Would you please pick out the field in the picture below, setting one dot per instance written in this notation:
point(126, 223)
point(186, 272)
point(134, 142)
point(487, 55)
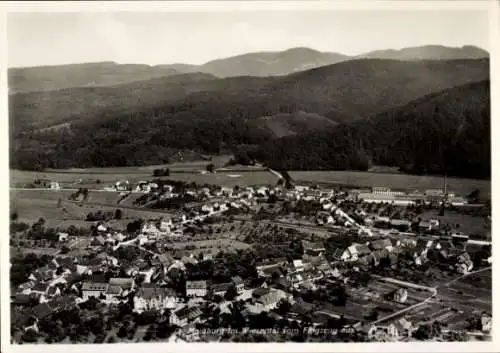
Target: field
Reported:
point(31, 205)
point(212, 246)
point(468, 224)
point(97, 179)
point(395, 181)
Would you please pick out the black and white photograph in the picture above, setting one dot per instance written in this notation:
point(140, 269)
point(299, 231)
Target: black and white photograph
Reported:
point(230, 173)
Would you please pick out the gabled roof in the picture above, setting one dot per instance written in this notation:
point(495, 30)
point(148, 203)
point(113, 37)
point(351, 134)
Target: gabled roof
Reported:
point(258, 292)
point(337, 253)
point(40, 287)
point(317, 246)
point(196, 284)
point(237, 280)
point(301, 307)
point(363, 249)
point(124, 283)
point(94, 286)
point(149, 291)
point(188, 313)
point(114, 290)
point(221, 287)
point(268, 298)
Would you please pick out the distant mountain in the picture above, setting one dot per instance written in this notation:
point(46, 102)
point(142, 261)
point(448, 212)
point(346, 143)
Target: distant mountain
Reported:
point(285, 62)
point(429, 52)
point(143, 122)
point(271, 63)
point(342, 92)
point(445, 132)
point(50, 78)
point(260, 64)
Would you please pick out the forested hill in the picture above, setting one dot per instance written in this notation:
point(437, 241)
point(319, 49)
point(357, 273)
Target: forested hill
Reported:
point(343, 92)
point(443, 132)
point(147, 122)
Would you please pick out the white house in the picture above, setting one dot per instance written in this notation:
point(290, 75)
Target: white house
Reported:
point(93, 289)
point(185, 315)
point(196, 288)
point(152, 297)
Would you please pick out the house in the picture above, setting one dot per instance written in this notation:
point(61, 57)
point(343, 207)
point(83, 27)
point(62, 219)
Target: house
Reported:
point(163, 260)
point(62, 236)
point(149, 228)
point(196, 288)
point(221, 288)
point(486, 323)
point(268, 301)
point(184, 316)
point(238, 284)
point(404, 328)
point(464, 263)
point(119, 287)
point(300, 308)
point(298, 265)
point(381, 244)
point(340, 254)
point(362, 249)
point(93, 289)
point(383, 333)
point(152, 297)
point(313, 247)
point(400, 295)
point(401, 224)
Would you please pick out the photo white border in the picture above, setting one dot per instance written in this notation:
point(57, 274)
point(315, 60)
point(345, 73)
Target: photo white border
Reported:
point(491, 6)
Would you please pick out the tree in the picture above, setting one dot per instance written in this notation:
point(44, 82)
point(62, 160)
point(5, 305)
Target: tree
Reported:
point(231, 293)
point(65, 249)
point(283, 307)
point(118, 214)
point(13, 216)
point(210, 168)
point(30, 336)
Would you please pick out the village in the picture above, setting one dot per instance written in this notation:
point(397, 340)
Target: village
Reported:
point(306, 262)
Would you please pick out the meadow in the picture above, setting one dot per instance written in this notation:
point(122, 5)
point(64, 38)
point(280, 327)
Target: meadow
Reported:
point(97, 179)
point(395, 181)
point(32, 205)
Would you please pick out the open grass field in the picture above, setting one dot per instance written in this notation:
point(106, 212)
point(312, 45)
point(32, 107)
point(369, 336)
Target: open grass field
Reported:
point(34, 204)
point(468, 224)
point(97, 179)
point(212, 246)
point(394, 181)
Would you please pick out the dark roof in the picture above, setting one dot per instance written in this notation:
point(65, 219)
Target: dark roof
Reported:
point(196, 284)
point(94, 286)
point(42, 310)
point(148, 291)
point(189, 313)
point(337, 253)
point(268, 298)
point(258, 292)
point(237, 280)
point(301, 307)
point(62, 303)
point(308, 245)
point(221, 287)
point(21, 299)
point(124, 283)
point(40, 287)
point(114, 289)
point(362, 249)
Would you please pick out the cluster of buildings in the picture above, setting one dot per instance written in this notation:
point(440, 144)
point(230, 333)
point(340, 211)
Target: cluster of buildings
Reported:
point(386, 195)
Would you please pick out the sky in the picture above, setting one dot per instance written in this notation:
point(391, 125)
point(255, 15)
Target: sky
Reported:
point(53, 38)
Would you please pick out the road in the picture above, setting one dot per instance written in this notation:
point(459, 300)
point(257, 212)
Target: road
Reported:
point(433, 290)
point(463, 276)
point(407, 284)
